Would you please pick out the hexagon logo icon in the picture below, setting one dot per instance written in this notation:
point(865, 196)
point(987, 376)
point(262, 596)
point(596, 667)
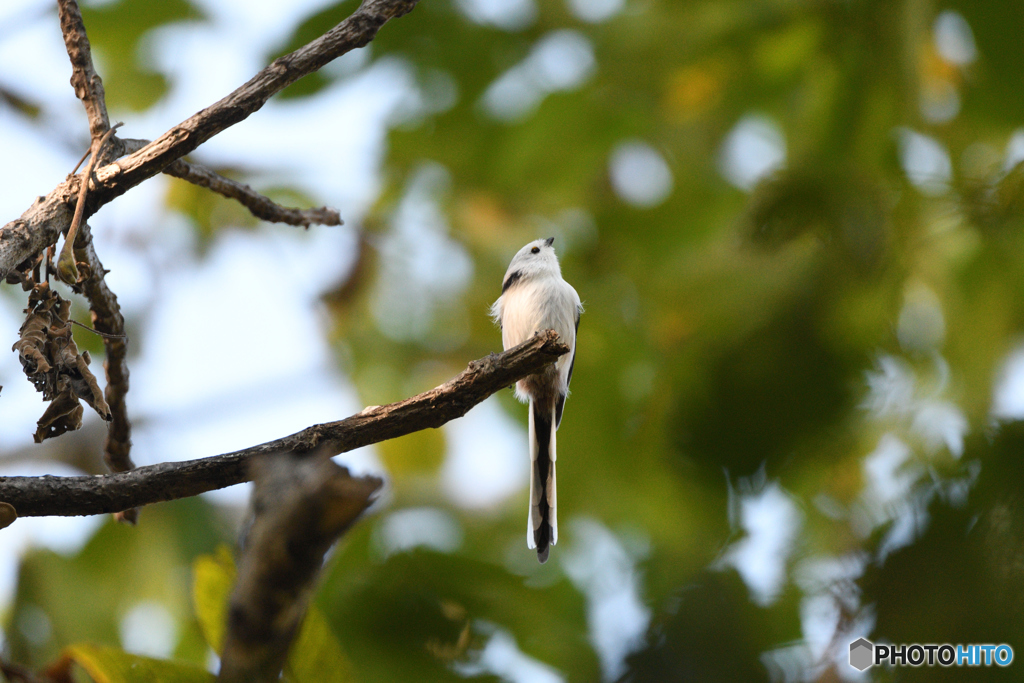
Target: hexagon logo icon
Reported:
point(862, 652)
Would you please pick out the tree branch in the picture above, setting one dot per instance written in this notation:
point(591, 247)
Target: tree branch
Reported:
point(66, 268)
point(87, 83)
point(43, 222)
point(301, 506)
point(106, 313)
point(68, 496)
point(107, 318)
point(355, 31)
point(260, 206)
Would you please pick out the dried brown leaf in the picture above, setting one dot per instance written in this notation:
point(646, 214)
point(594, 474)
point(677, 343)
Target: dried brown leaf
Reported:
point(54, 365)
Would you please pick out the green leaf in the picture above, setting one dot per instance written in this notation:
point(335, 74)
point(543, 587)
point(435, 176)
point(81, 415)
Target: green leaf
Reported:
point(211, 588)
point(316, 655)
point(111, 665)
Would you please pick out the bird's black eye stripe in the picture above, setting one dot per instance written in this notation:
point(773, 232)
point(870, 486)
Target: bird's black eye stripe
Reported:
point(510, 280)
point(535, 250)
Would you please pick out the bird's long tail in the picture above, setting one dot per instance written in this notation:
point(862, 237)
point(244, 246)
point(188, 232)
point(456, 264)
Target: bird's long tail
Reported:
point(542, 528)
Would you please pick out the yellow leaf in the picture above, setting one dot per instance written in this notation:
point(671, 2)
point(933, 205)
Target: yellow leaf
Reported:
point(111, 665)
point(211, 589)
point(694, 90)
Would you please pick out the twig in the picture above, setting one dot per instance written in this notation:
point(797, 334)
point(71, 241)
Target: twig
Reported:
point(80, 162)
point(69, 496)
point(301, 506)
point(66, 268)
point(48, 217)
point(97, 332)
point(87, 83)
point(260, 206)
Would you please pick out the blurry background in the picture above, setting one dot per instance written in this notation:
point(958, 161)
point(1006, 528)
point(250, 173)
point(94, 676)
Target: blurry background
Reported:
point(798, 230)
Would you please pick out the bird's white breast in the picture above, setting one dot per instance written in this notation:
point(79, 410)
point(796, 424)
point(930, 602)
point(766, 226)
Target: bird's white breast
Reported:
point(541, 304)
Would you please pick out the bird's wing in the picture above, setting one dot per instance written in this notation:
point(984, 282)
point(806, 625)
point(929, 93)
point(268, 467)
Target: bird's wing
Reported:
point(561, 397)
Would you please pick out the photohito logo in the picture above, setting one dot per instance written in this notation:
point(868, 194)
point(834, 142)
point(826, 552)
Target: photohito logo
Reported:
point(864, 654)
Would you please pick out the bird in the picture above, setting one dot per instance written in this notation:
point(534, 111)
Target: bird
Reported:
point(534, 297)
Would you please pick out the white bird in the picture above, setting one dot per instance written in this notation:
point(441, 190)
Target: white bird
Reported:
point(534, 297)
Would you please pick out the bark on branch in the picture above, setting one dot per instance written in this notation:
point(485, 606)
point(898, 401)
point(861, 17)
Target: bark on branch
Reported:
point(93, 495)
point(43, 222)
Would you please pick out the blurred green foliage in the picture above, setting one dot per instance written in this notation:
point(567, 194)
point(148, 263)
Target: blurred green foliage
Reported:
point(316, 655)
point(117, 570)
point(113, 665)
point(733, 338)
point(117, 31)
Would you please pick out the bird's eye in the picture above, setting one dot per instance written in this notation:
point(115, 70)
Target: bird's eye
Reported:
point(535, 250)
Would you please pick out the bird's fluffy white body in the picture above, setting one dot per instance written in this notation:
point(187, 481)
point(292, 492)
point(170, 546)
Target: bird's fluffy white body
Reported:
point(534, 298)
point(536, 305)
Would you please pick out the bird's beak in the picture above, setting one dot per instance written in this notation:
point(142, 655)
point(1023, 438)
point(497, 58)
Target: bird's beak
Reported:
point(549, 241)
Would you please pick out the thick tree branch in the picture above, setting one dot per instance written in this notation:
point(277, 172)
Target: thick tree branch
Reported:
point(43, 222)
point(68, 496)
point(301, 505)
